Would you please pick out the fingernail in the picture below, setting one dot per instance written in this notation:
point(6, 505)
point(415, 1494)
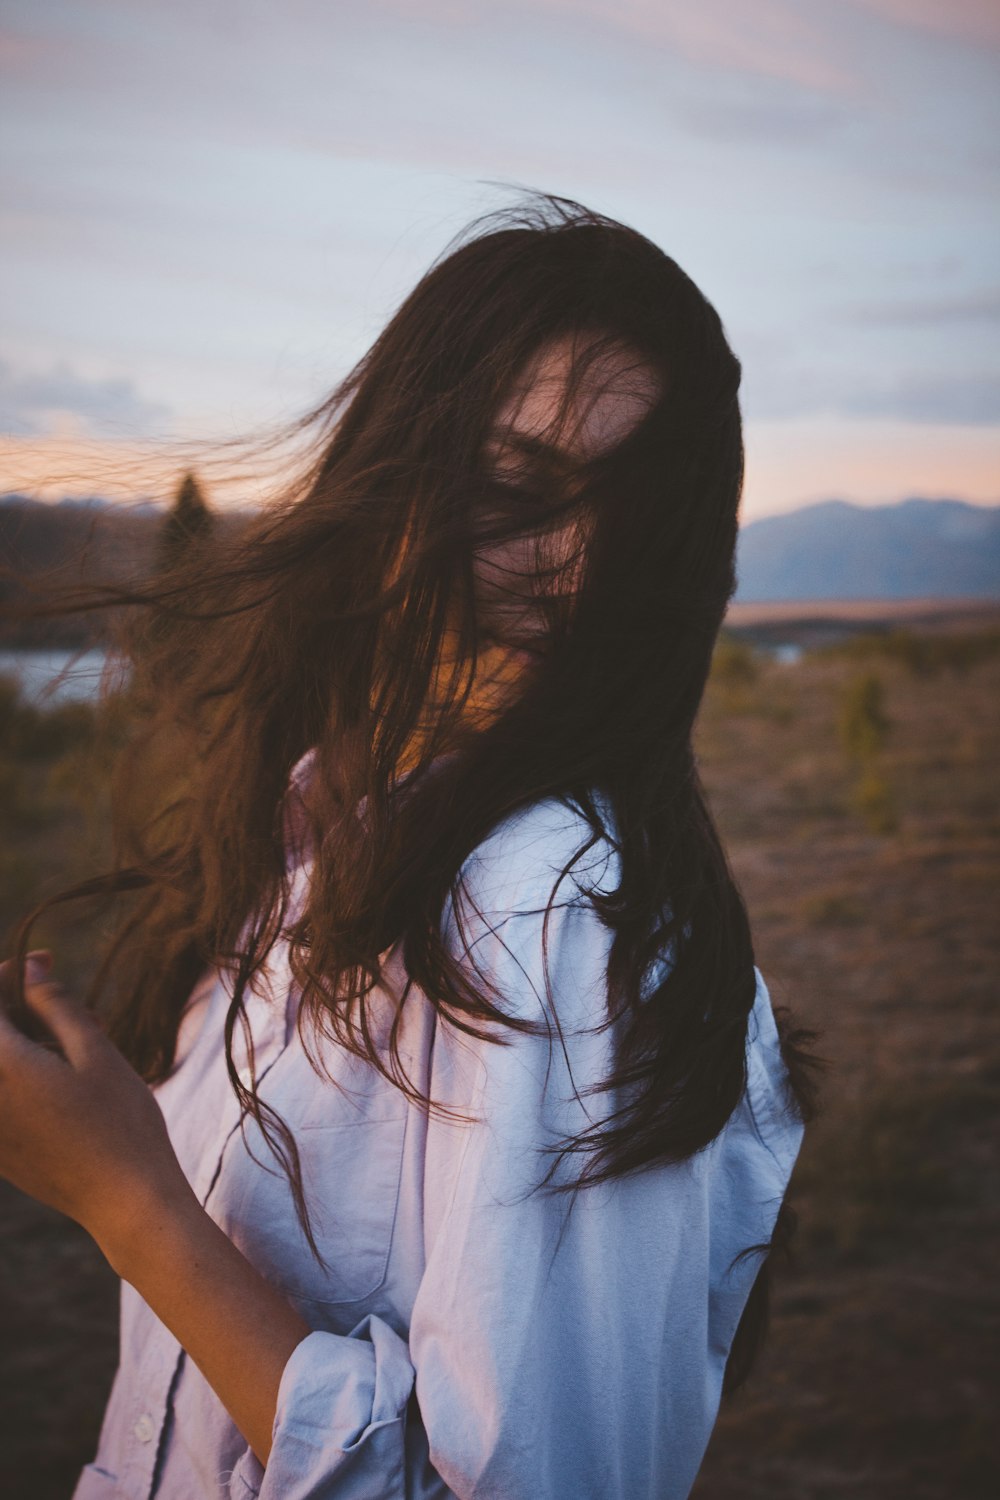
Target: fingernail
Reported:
point(35, 970)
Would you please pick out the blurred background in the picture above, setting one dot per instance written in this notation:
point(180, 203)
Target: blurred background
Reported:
point(208, 213)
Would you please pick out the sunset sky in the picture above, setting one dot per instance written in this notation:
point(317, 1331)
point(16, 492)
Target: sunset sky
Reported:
point(209, 210)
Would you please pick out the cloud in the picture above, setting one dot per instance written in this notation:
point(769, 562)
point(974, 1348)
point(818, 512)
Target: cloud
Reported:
point(967, 400)
point(784, 39)
point(798, 42)
point(797, 120)
point(975, 307)
point(32, 404)
point(19, 52)
point(791, 394)
point(976, 21)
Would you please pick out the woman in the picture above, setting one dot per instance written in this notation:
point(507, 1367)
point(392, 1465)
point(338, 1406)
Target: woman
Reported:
point(469, 1125)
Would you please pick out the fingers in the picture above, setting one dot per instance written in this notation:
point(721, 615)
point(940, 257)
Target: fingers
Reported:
point(73, 1027)
point(37, 966)
point(15, 1013)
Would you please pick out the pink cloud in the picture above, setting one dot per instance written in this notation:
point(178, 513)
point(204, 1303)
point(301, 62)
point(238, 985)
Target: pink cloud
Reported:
point(975, 21)
point(796, 43)
point(19, 52)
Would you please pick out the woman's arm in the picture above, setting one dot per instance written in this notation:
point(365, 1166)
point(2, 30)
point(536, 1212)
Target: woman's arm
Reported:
point(237, 1328)
point(80, 1131)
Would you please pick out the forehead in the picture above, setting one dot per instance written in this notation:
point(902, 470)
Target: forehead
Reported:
point(615, 389)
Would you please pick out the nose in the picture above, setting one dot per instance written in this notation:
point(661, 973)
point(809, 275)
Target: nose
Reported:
point(521, 582)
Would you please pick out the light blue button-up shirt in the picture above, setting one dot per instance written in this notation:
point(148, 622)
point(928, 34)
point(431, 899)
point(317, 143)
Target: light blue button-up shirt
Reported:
point(472, 1338)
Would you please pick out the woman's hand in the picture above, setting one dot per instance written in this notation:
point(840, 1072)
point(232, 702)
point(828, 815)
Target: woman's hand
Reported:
point(79, 1129)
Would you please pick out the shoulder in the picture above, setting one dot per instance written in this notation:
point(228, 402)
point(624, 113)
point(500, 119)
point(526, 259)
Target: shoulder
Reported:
point(522, 913)
point(546, 852)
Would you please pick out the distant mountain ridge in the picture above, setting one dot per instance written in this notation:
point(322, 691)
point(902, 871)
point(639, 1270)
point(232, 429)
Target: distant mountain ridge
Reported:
point(929, 549)
point(79, 540)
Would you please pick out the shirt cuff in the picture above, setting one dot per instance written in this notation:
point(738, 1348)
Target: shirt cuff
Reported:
point(340, 1420)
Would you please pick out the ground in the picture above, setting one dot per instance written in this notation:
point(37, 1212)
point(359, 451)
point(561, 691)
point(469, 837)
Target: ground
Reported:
point(863, 827)
point(879, 928)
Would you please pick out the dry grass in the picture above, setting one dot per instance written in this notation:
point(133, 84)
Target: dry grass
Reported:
point(879, 1377)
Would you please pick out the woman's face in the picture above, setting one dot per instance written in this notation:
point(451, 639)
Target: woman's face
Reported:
point(618, 390)
point(524, 448)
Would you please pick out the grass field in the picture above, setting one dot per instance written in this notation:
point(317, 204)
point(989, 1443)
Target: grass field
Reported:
point(856, 791)
point(877, 921)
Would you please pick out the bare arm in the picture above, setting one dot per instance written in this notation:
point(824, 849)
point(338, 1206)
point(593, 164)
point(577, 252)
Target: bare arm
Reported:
point(81, 1131)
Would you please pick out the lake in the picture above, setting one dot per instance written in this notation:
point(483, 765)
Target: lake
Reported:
point(49, 677)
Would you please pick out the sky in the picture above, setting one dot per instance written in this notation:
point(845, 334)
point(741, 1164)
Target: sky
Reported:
point(209, 210)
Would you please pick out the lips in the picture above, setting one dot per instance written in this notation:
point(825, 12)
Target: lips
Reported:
point(532, 647)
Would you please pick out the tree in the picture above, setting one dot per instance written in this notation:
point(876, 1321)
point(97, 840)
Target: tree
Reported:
point(189, 522)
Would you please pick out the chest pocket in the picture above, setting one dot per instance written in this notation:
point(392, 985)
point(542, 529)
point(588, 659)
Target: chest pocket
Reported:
point(350, 1144)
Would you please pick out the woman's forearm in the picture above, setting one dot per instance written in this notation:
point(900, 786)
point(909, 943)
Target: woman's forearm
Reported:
point(81, 1131)
point(237, 1328)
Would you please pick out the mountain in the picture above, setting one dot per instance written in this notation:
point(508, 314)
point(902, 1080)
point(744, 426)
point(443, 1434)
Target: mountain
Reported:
point(65, 545)
point(917, 549)
point(61, 546)
point(932, 549)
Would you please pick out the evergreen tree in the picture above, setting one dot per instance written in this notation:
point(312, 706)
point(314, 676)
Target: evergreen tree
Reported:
point(189, 522)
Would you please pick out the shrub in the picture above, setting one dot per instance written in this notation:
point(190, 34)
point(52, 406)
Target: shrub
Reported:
point(873, 799)
point(863, 723)
point(734, 663)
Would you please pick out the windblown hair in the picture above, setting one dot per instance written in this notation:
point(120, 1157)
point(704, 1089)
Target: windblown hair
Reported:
point(324, 627)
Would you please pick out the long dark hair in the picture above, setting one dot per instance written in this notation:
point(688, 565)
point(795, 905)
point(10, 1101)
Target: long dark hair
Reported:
point(324, 627)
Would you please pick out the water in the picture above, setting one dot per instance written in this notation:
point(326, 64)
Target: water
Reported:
point(50, 677)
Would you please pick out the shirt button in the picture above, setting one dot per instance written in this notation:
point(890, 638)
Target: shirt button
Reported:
point(144, 1428)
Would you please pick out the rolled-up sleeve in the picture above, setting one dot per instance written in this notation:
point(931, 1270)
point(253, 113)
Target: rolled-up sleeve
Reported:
point(559, 1344)
point(339, 1423)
